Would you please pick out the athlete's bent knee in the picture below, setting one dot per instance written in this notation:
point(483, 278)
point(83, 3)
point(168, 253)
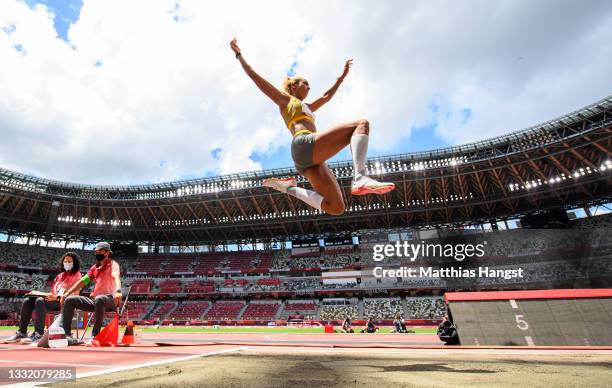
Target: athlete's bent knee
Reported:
point(363, 127)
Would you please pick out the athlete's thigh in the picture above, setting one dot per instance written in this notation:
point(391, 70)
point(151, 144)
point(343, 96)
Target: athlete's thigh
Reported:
point(324, 182)
point(329, 142)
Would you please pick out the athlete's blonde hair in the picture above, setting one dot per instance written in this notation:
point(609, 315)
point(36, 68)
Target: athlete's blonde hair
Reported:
point(289, 82)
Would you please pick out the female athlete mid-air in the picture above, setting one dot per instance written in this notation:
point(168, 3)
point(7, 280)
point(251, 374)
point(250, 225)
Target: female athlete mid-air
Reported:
point(310, 149)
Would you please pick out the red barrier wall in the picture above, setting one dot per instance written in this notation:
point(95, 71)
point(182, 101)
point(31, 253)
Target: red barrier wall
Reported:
point(529, 294)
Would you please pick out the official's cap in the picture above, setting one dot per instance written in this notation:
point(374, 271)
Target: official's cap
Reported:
point(103, 245)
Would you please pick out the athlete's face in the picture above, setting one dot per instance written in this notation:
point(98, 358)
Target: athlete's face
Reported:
point(301, 89)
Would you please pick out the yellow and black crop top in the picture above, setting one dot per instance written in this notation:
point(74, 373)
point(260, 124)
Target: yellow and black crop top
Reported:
point(295, 111)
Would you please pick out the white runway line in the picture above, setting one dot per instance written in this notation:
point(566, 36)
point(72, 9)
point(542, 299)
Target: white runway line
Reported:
point(269, 338)
point(160, 362)
point(132, 366)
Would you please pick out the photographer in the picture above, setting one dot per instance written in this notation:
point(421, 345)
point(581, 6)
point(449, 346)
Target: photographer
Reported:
point(399, 324)
point(347, 326)
point(370, 327)
point(447, 332)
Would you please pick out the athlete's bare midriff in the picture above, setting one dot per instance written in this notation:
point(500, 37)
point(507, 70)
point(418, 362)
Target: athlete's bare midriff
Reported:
point(303, 124)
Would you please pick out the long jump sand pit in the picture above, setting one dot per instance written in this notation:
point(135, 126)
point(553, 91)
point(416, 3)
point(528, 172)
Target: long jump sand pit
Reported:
point(256, 366)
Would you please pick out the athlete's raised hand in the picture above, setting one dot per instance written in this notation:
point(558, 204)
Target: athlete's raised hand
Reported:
point(347, 66)
point(234, 46)
point(281, 99)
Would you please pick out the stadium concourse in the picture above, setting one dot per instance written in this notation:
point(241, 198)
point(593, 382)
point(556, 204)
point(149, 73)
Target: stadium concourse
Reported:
point(236, 284)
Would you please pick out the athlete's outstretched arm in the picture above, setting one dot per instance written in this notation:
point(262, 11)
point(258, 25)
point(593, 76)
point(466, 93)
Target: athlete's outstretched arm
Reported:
point(266, 87)
point(319, 102)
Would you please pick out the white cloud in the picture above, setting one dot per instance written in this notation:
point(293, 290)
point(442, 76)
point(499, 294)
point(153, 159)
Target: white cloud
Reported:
point(172, 91)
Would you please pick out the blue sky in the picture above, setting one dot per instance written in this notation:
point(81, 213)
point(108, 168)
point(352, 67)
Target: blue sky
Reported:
point(66, 12)
point(153, 90)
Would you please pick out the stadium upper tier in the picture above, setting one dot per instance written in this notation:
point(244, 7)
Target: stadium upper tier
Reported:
point(560, 163)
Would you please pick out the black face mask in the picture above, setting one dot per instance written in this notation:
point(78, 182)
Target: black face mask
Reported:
point(100, 256)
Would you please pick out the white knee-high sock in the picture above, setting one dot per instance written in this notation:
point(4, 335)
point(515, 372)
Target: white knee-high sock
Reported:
point(312, 198)
point(359, 149)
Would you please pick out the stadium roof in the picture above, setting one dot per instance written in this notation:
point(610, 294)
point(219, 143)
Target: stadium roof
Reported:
point(560, 163)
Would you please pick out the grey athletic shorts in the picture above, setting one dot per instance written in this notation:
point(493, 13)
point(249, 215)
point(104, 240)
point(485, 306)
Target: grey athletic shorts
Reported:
point(302, 147)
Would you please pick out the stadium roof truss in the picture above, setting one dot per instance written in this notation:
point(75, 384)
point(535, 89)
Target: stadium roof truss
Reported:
point(565, 162)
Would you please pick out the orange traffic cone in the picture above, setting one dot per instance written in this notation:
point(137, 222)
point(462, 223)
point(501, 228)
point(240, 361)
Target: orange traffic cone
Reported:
point(109, 335)
point(128, 336)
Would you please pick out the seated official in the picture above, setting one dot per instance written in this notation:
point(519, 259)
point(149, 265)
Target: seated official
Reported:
point(69, 275)
point(106, 295)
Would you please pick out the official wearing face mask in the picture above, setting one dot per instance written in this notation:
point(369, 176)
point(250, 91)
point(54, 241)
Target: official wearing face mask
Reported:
point(106, 295)
point(69, 267)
